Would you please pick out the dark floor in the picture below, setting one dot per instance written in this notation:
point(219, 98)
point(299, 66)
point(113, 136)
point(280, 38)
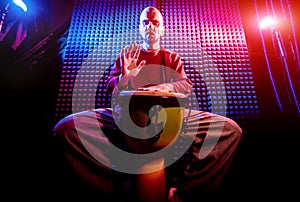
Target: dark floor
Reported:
point(266, 165)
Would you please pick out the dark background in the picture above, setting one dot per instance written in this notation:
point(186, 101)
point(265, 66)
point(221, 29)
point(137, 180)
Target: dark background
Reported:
point(266, 165)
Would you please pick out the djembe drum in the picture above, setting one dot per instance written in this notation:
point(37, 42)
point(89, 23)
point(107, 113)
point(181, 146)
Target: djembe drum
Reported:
point(150, 120)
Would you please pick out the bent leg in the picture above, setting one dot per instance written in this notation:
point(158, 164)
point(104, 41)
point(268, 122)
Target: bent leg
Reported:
point(215, 142)
point(84, 143)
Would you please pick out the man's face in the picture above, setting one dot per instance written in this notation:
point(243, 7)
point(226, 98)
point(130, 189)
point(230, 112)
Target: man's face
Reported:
point(151, 25)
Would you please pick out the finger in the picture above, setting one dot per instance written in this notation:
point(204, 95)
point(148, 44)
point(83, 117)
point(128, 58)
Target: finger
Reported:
point(126, 50)
point(134, 49)
point(137, 52)
point(134, 45)
point(130, 50)
point(122, 56)
point(123, 52)
point(142, 64)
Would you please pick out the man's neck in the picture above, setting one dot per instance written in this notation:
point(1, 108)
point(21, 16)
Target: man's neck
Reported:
point(151, 47)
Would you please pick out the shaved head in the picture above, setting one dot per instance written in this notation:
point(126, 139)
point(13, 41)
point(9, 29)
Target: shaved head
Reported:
point(151, 13)
point(151, 27)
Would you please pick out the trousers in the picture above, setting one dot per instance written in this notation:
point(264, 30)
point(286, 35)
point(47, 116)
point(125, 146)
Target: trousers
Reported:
point(195, 164)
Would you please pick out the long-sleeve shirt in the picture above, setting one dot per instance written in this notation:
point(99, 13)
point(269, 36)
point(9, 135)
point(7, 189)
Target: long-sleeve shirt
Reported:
point(163, 66)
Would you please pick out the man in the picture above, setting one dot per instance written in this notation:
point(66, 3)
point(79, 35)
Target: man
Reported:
point(212, 140)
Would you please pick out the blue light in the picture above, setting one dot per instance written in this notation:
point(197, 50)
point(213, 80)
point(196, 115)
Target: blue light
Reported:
point(21, 4)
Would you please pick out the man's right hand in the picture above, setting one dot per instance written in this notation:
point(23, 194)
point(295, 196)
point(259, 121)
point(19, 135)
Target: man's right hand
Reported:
point(128, 59)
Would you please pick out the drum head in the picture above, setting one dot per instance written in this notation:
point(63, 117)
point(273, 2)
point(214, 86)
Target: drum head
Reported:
point(151, 93)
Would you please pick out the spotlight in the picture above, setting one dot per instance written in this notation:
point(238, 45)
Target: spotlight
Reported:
point(21, 4)
point(4, 10)
point(268, 23)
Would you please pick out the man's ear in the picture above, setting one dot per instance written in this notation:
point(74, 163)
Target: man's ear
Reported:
point(141, 30)
point(162, 30)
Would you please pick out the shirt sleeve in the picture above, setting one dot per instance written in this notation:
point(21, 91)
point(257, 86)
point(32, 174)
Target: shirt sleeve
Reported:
point(182, 84)
point(113, 77)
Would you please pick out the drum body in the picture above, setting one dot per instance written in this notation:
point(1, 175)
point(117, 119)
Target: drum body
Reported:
point(150, 120)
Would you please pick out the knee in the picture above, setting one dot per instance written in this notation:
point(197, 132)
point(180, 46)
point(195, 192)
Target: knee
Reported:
point(234, 129)
point(60, 128)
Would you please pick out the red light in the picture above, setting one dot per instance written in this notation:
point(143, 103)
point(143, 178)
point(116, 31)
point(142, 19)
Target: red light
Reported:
point(268, 23)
